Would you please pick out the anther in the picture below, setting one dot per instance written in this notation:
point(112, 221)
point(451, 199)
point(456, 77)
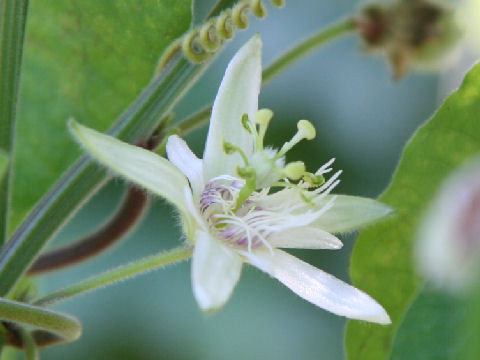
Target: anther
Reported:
point(248, 125)
point(262, 118)
point(230, 149)
point(295, 170)
point(305, 131)
point(314, 180)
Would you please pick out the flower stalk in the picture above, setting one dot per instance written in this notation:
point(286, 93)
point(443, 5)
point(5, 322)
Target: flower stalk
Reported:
point(121, 273)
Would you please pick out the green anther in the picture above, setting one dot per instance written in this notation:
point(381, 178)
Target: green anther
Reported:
point(230, 149)
point(247, 124)
point(295, 170)
point(306, 129)
point(263, 117)
point(314, 180)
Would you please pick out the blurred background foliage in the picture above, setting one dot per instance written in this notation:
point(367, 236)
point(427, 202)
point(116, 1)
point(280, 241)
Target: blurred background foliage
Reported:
point(363, 119)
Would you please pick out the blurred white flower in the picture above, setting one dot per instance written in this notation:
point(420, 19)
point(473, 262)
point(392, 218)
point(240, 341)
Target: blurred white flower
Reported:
point(448, 250)
point(229, 214)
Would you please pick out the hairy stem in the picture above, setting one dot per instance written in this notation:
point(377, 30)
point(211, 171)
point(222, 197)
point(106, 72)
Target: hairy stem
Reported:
point(53, 325)
point(123, 272)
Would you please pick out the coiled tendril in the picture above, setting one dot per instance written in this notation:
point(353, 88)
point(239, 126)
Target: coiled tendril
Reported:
point(201, 42)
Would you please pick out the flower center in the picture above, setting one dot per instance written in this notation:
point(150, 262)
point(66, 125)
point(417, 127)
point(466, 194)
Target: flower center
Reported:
point(245, 227)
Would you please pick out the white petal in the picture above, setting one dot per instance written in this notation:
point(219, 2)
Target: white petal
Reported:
point(304, 238)
point(238, 94)
point(138, 165)
point(349, 213)
point(215, 271)
point(318, 287)
point(185, 160)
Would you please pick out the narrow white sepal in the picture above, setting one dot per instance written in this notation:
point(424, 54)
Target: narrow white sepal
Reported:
point(138, 165)
point(304, 238)
point(185, 160)
point(215, 272)
point(349, 213)
point(237, 95)
point(318, 287)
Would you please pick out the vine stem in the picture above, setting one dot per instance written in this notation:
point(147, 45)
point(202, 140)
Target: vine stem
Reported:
point(123, 221)
point(13, 18)
point(52, 324)
point(297, 52)
point(123, 272)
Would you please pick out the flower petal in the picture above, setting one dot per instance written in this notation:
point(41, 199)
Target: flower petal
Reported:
point(238, 94)
point(349, 213)
point(304, 238)
point(185, 160)
point(215, 271)
point(318, 287)
point(138, 165)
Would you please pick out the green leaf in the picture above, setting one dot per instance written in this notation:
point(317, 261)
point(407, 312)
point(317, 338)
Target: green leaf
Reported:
point(3, 163)
point(382, 263)
point(13, 15)
point(432, 328)
point(88, 60)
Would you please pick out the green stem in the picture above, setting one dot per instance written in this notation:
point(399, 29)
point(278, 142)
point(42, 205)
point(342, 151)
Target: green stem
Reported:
point(29, 345)
point(296, 53)
point(123, 272)
point(61, 326)
point(307, 46)
point(13, 17)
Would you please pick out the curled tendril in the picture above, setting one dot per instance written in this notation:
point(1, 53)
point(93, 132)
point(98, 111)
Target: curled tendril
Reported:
point(209, 37)
point(225, 27)
point(192, 47)
point(201, 42)
point(240, 15)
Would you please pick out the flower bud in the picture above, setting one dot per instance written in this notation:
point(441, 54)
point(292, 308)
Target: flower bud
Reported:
point(448, 250)
point(413, 34)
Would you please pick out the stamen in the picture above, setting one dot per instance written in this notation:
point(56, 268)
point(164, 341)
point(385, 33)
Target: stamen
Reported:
point(262, 118)
point(305, 131)
point(295, 170)
point(249, 125)
point(230, 149)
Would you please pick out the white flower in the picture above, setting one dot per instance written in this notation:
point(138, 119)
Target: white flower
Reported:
point(448, 250)
point(228, 211)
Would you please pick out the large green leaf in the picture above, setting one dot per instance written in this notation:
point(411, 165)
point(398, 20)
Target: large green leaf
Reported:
point(3, 163)
point(382, 258)
point(432, 328)
point(87, 59)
